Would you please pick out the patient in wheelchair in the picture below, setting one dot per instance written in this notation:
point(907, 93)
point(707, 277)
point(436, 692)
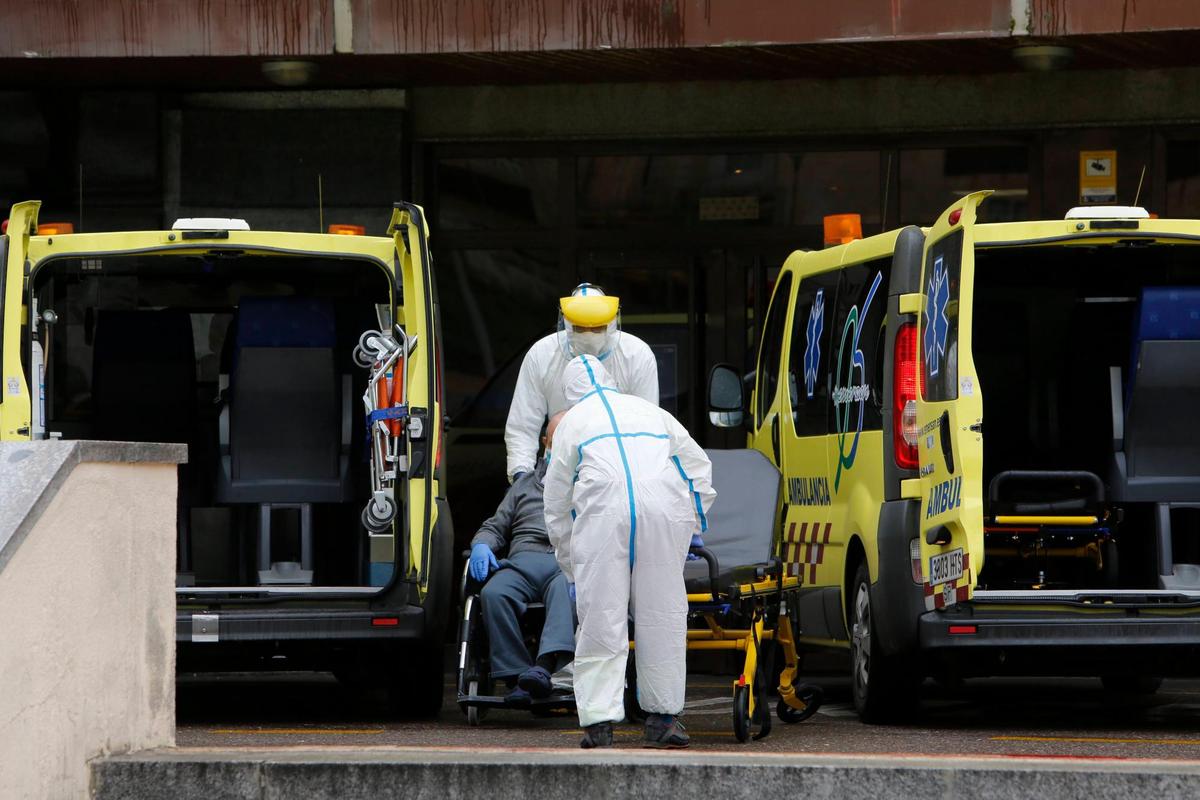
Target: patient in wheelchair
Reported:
point(526, 572)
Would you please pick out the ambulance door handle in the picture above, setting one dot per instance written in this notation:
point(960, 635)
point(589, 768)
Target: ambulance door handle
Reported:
point(775, 437)
point(947, 442)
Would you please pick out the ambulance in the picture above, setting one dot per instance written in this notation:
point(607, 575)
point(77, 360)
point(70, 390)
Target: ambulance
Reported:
point(990, 448)
point(303, 372)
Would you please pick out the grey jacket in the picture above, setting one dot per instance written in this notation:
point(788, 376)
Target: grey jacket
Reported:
point(519, 524)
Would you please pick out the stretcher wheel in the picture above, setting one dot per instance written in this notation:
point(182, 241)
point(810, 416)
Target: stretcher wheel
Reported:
point(375, 518)
point(741, 713)
point(812, 696)
point(364, 347)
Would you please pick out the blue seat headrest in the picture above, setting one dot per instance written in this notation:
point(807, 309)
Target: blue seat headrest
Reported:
point(285, 322)
point(1168, 312)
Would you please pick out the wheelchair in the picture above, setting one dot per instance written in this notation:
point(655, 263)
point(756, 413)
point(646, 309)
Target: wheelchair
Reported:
point(476, 692)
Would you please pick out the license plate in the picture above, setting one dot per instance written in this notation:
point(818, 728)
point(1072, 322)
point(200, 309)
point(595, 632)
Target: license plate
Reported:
point(945, 567)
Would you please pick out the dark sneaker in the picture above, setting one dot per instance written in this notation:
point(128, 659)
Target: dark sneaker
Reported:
point(598, 735)
point(536, 681)
point(517, 697)
point(665, 731)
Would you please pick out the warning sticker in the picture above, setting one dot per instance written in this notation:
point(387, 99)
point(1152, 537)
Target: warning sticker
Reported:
point(14, 386)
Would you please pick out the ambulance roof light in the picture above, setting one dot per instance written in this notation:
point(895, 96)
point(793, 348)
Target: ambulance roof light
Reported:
point(1107, 212)
point(55, 228)
point(842, 228)
point(343, 229)
point(210, 224)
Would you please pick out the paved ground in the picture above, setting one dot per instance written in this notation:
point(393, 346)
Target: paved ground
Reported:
point(994, 717)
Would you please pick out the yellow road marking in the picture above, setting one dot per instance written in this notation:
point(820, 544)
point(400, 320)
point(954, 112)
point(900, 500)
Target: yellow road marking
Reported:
point(1097, 740)
point(296, 731)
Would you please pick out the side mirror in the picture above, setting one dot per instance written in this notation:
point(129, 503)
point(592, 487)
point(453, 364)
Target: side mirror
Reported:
point(726, 398)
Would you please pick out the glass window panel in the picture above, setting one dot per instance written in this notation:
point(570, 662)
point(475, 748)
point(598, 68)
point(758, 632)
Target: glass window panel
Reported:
point(931, 180)
point(1183, 180)
point(497, 193)
point(478, 293)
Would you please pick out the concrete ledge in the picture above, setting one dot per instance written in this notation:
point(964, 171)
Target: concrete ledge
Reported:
point(419, 773)
point(31, 473)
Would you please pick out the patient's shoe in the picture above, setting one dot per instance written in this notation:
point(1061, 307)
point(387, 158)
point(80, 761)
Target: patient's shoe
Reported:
point(665, 731)
point(536, 681)
point(598, 735)
point(517, 697)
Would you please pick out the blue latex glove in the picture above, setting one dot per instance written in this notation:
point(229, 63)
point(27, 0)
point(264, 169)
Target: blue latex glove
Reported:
point(696, 542)
point(571, 591)
point(482, 562)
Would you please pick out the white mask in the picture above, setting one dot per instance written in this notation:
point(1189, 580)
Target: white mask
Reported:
point(587, 343)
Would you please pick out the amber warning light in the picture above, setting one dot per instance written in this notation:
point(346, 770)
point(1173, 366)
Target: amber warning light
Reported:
point(842, 228)
point(55, 228)
point(348, 230)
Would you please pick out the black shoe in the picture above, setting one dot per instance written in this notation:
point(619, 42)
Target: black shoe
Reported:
point(598, 735)
point(665, 731)
point(536, 681)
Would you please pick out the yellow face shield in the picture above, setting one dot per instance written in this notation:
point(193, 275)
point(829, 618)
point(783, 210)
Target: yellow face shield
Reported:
point(590, 311)
point(589, 324)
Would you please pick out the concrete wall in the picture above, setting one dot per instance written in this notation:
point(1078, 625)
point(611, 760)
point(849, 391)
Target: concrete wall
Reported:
point(87, 611)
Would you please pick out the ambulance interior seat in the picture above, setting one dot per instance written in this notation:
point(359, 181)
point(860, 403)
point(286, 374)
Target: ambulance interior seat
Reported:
point(1156, 441)
point(285, 428)
point(741, 522)
point(143, 390)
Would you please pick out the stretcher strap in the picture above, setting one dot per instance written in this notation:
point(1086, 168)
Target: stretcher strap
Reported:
point(395, 412)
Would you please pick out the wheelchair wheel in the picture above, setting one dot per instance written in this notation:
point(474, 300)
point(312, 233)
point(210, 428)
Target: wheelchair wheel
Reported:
point(475, 714)
point(741, 713)
point(812, 696)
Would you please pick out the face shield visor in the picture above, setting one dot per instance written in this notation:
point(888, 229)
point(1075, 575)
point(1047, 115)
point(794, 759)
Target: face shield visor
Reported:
point(589, 325)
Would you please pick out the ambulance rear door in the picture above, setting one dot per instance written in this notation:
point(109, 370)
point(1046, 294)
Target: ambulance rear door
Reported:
point(15, 407)
point(413, 277)
point(949, 412)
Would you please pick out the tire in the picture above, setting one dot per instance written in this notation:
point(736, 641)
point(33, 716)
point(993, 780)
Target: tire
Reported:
point(741, 713)
point(885, 689)
point(812, 696)
point(1131, 685)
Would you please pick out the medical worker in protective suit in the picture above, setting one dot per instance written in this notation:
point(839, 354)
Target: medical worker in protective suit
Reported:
point(626, 491)
point(589, 322)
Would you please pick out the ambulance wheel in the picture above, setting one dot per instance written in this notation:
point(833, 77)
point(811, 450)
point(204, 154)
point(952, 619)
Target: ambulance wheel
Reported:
point(741, 713)
point(377, 519)
point(475, 714)
point(884, 687)
point(812, 696)
point(1131, 685)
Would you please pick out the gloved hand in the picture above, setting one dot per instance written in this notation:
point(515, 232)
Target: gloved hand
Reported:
point(571, 591)
point(696, 542)
point(482, 561)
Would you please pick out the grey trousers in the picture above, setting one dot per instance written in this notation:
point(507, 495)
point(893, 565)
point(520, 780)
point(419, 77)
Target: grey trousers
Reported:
point(526, 578)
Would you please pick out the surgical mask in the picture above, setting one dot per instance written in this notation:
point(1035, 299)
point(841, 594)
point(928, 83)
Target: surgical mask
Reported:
point(591, 344)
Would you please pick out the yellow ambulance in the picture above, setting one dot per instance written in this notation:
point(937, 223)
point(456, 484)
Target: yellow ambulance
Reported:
point(990, 448)
point(303, 372)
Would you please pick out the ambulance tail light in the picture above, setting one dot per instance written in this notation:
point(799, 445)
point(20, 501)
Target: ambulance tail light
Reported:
point(904, 397)
point(914, 559)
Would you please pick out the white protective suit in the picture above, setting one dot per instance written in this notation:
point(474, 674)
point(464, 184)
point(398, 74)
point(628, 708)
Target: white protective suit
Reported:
point(626, 489)
point(539, 392)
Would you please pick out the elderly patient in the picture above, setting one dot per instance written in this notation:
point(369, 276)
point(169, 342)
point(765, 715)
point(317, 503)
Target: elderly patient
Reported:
point(527, 573)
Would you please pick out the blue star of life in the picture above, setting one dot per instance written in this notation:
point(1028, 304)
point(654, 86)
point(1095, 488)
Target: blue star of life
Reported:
point(812, 344)
point(937, 326)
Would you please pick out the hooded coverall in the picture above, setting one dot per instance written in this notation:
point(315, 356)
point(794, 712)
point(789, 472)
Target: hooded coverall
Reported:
point(539, 391)
point(626, 489)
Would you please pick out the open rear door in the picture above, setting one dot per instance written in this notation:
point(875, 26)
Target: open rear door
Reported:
point(15, 409)
point(415, 308)
point(950, 412)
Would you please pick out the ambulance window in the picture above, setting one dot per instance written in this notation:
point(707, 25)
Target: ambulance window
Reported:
point(939, 320)
point(855, 347)
point(808, 360)
point(772, 346)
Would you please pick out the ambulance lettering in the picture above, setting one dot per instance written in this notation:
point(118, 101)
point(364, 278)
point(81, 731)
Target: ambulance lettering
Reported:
point(945, 496)
point(808, 492)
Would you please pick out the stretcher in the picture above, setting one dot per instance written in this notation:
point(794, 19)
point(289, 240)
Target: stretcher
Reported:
point(385, 401)
point(741, 598)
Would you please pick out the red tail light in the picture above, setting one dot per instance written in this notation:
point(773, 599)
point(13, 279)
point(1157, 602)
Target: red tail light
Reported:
point(904, 397)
